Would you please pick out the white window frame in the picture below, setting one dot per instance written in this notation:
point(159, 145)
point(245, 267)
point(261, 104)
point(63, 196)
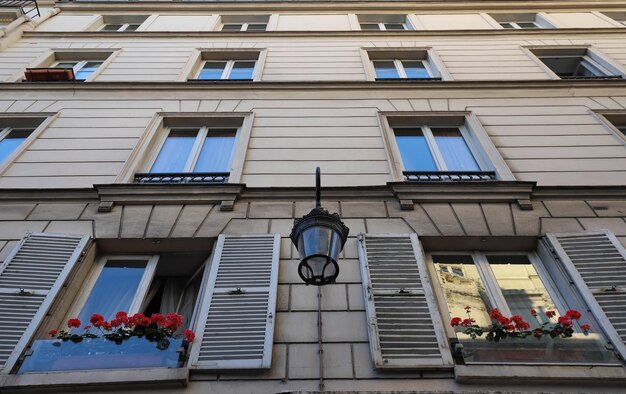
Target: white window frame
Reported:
point(434, 149)
point(400, 67)
point(590, 63)
point(228, 68)
point(196, 148)
point(515, 25)
point(491, 284)
point(79, 65)
point(244, 25)
point(142, 289)
point(122, 28)
point(382, 27)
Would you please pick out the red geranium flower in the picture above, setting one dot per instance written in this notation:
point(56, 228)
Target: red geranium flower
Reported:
point(189, 335)
point(573, 314)
point(455, 321)
point(565, 321)
point(97, 320)
point(73, 323)
point(175, 321)
point(550, 313)
point(87, 327)
point(53, 332)
point(121, 317)
point(533, 312)
point(159, 320)
point(494, 313)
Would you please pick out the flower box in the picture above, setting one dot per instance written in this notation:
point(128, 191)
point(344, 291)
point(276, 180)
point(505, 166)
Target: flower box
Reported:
point(99, 353)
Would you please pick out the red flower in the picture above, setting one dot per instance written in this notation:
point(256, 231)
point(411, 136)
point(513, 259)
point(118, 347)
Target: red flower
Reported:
point(455, 321)
point(53, 332)
point(522, 325)
point(107, 326)
point(467, 308)
point(175, 321)
point(121, 317)
point(505, 321)
point(533, 312)
point(73, 323)
point(87, 327)
point(189, 335)
point(573, 314)
point(585, 327)
point(550, 313)
point(97, 320)
point(495, 313)
point(517, 319)
point(159, 320)
point(565, 321)
point(115, 323)
point(136, 319)
point(467, 322)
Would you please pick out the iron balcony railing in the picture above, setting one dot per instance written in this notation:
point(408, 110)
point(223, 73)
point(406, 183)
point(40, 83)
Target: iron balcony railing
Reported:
point(28, 7)
point(183, 177)
point(593, 77)
point(456, 176)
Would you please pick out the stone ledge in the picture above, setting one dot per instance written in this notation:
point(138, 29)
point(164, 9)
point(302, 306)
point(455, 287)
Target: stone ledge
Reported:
point(140, 377)
point(513, 374)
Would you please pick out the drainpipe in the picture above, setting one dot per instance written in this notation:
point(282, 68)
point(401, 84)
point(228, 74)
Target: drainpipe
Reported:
point(319, 336)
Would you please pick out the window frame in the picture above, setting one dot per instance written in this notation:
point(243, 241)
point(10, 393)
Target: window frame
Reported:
point(228, 69)
point(52, 56)
point(95, 271)
point(80, 64)
point(434, 65)
point(194, 154)
point(592, 54)
point(200, 56)
point(515, 25)
point(124, 27)
point(244, 26)
point(432, 72)
point(382, 27)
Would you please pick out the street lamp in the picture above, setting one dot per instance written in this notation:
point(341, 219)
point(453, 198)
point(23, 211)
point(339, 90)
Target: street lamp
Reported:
point(319, 237)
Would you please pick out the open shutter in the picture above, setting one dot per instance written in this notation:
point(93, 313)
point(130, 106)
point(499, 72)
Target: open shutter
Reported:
point(235, 328)
point(30, 278)
point(596, 263)
point(404, 324)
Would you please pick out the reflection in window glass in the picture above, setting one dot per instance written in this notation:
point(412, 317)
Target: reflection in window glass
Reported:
point(415, 69)
point(385, 69)
point(257, 27)
point(462, 286)
point(521, 286)
point(394, 26)
point(242, 70)
point(212, 70)
point(85, 71)
point(216, 152)
point(114, 289)
point(454, 149)
point(112, 27)
point(12, 140)
point(370, 26)
point(232, 27)
point(175, 151)
point(414, 150)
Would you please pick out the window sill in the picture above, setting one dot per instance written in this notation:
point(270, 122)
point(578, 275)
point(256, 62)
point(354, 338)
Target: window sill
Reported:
point(538, 374)
point(77, 379)
point(408, 79)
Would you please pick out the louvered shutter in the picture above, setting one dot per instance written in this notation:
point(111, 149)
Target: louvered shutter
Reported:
point(30, 278)
point(596, 263)
point(235, 328)
point(404, 324)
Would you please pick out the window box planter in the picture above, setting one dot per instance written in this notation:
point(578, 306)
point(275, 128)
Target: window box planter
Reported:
point(97, 353)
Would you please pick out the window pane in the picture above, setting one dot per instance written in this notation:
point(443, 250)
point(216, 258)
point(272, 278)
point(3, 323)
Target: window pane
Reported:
point(414, 150)
point(65, 65)
point(12, 141)
point(521, 286)
point(507, 25)
point(212, 70)
point(370, 26)
point(454, 149)
point(462, 286)
point(527, 25)
point(175, 151)
point(394, 26)
point(232, 27)
point(257, 27)
point(588, 70)
point(86, 71)
point(112, 27)
point(114, 290)
point(385, 69)
point(415, 69)
point(216, 152)
point(242, 70)
point(132, 27)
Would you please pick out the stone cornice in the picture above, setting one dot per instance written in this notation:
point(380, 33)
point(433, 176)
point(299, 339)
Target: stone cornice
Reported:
point(547, 84)
point(392, 35)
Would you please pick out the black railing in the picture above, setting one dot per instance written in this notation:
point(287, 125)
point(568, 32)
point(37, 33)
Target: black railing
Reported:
point(455, 176)
point(593, 77)
point(28, 7)
point(183, 177)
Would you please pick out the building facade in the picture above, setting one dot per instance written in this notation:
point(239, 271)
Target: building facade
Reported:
point(154, 156)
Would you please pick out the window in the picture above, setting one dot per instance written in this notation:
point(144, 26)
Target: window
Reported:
point(402, 69)
point(83, 69)
point(11, 139)
point(234, 23)
point(617, 120)
point(441, 147)
point(577, 63)
point(619, 17)
point(228, 69)
point(400, 64)
point(514, 283)
point(121, 23)
point(522, 21)
point(384, 22)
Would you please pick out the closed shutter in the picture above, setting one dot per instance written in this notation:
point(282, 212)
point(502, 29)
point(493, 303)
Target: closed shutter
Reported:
point(596, 263)
point(235, 328)
point(404, 324)
point(30, 278)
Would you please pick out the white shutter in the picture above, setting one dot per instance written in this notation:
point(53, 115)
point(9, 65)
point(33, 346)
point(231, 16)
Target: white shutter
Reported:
point(596, 263)
point(30, 278)
point(405, 328)
point(235, 328)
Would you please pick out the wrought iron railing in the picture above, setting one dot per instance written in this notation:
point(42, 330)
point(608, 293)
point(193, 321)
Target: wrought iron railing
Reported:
point(28, 7)
point(183, 177)
point(456, 176)
point(596, 77)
